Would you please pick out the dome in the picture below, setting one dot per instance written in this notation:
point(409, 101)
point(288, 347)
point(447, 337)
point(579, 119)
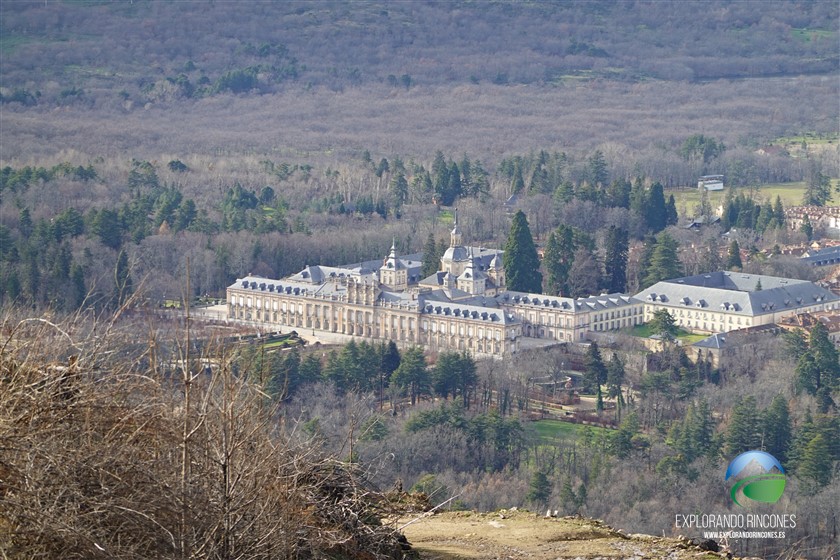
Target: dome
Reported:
point(456, 254)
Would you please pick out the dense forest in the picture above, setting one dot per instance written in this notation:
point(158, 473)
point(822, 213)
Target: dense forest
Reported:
point(150, 51)
point(153, 152)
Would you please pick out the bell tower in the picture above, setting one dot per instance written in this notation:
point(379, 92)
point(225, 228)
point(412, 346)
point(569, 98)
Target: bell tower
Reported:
point(455, 238)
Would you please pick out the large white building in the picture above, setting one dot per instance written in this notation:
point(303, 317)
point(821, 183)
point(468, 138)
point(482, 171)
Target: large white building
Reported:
point(466, 306)
point(722, 301)
point(463, 306)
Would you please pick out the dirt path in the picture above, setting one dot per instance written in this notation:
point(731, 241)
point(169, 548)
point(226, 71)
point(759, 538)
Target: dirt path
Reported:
point(514, 535)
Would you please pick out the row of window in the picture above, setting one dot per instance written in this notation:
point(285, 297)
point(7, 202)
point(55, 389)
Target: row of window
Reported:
point(625, 312)
point(460, 329)
point(617, 324)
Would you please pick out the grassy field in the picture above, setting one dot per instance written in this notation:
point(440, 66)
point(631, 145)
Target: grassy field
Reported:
point(809, 35)
point(643, 331)
point(791, 194)
point(808, 138)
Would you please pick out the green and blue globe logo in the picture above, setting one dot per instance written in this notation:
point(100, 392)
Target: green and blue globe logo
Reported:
point(758, 477)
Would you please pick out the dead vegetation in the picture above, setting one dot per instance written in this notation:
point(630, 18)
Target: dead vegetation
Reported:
point(102, 458)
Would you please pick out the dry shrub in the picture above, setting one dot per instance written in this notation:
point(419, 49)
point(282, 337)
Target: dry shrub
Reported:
point(100, 457)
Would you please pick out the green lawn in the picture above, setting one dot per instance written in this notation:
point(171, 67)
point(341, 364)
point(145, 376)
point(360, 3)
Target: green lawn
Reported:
point(691, 338)
point(643, 331)
point(10, 42)
point(551, 430)
point(446, 216)
point(809, 35)
point(791, 194)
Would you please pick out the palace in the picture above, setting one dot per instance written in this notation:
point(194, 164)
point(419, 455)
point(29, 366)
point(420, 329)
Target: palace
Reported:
point(466, 304)
point(463, 306)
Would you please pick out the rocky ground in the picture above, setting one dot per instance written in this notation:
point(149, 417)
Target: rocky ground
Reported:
point(514, 535)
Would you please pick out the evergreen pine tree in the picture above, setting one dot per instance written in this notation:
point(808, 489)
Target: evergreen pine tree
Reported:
point(733, 258)
point(777, 429)
point(825, 356)
point(618, 194)
point(310, 369)
point(615, 377)
point(540, 488)
point(807, 228)
point(399, 189)
point(638, 198)
point(817, 187)
point(539, 177)
point(779, 211)
point(595, 372)
point(430, 263)
point(412, 374)
point(743, 433)
point(518, 183)
point(390, 358)
point(25, 222)
point(521, 262)
point(765, 218)
point(78, 292)
point(440, 171)
point(453, 189)
point(467, 186)
point(597, 170)
point(815, 466)
point(12, 286)
point(567, 496)
point(552, 262)
point(559, 255)
point(807, 374)
point(617, 246)
point(655, 210)
point(671, 215)
point(664, 261)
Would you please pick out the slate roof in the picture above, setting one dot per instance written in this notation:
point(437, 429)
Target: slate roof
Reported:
point(734, 292)
point(823, 257)
point(716, 341)
point(456, 254)
point(591, 303)
point(474, 312)
point(460, 296)
point(481, 256)
point(290, 286)
point(317, 274)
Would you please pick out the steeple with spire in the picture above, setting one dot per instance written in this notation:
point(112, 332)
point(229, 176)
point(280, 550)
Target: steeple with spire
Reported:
point(393, 273)
point(455, 239)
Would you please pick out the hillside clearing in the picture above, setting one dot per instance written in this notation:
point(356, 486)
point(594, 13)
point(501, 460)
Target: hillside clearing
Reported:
point(522, 534)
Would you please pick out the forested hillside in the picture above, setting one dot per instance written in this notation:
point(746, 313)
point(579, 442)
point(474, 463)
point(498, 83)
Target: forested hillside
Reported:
point(153, 152)
point(137, 134)
point(65, 52)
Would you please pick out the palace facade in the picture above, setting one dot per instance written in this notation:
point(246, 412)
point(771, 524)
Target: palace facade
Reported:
point(464, 306)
